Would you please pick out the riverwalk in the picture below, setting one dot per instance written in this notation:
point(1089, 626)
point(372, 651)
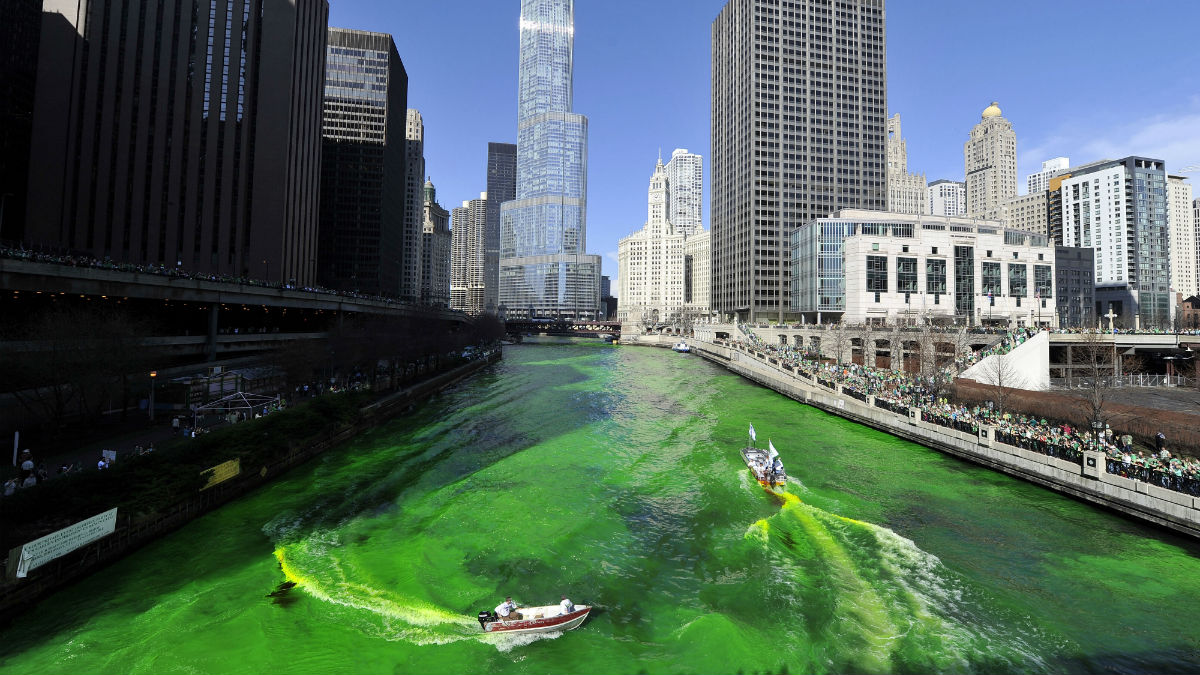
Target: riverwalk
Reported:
point(1085, 477)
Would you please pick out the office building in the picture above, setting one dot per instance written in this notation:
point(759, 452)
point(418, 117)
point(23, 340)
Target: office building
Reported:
point(1181, 223)
point(947, 198)
point(363, 176)
point(990, 157)
point(1075, 287)
point(798, 132)
point(1040, 181)
point(468, 258)
point(414, 203)
point(436, 243)
point(907, 192)
point(656, 274)
point(880, 267)
point(501, 187)
point(182, 138)
point(1028, 212)
point(1119, 209)
point(22, 21)
point(544, 270)
point(685, 191)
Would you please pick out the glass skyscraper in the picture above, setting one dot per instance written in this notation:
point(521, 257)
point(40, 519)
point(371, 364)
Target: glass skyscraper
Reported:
point(544, 271)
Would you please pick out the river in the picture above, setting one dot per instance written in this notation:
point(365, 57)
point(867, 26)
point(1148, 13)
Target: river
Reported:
point(612, 474)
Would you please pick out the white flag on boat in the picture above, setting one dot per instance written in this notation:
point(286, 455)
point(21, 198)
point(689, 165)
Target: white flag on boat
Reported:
point(773, 453)
point(753, 436)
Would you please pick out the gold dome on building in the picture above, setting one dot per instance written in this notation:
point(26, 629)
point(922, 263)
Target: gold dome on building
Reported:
point(992, 110)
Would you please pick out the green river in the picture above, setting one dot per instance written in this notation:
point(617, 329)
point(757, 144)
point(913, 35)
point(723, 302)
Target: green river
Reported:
point(612, 474)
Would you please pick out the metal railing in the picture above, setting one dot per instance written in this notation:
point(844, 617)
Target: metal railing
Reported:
point(1127, 380)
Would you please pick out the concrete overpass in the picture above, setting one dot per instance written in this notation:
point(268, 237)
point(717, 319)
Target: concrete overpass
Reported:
point(573, 328)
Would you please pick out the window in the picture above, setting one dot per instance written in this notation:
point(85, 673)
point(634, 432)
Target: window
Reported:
point(904, 249)
point(935, 277)
point(934, 251)
point(1041, 281)
point(989, 253)
point(1017, 281)
point(991, 279)
point(877, 274)
point(906, 275)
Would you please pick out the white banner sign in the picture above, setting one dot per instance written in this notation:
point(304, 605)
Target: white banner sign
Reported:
point(41, 551)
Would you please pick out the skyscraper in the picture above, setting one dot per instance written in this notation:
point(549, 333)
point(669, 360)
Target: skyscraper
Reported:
point(501, 187)
point(1040, 181)
point(468, 266)
point(1185, 268)
point(181, 134)
point(414, 212)
point(363, 205)
point(543, 268)
point(1119, 208)
point(685, 191)
point(907, 192)
point(435, 251)
point(990, 158)
point(798, 132)
point(947, 198)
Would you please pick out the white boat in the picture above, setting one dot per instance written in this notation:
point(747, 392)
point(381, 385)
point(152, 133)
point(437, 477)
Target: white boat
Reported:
point(546, 619)
point(764, 464)
point(682, 347)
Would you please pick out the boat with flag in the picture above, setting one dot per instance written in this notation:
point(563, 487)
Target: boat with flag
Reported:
point(764, 464)
point(547, 619)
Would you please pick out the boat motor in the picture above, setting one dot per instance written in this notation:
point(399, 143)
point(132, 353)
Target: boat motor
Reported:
point(485, 617)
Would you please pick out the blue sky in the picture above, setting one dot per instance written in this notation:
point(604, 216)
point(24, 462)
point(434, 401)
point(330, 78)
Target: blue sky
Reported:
point(1086, 79)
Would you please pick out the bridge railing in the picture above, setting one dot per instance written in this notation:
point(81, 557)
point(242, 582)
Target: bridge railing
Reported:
point(1127, 380)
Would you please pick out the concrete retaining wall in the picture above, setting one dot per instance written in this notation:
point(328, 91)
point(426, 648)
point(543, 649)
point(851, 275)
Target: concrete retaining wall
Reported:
point(1090, 482)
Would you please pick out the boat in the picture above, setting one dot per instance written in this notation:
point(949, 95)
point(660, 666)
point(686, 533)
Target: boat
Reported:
point(765, 465)
point(546, 619)
point(682, 347)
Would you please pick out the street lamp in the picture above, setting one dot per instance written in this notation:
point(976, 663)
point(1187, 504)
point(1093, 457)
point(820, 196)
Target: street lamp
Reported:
point(153, 377)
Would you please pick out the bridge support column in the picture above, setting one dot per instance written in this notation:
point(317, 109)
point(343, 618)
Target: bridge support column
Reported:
point(211, 347)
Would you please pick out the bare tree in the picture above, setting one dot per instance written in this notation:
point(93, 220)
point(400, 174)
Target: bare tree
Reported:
point(1000, 376)
point(839, 339)
point(865, 334)
point(1097, 375)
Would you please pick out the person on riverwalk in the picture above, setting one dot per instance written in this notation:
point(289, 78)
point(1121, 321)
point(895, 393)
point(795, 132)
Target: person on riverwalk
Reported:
point(504, 609)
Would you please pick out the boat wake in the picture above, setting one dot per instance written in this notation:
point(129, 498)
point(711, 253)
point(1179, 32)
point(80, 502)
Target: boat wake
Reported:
point(875, 602)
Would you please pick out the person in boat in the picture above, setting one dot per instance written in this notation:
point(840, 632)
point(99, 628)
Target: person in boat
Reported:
point(777, 468)
point(506, 608)
point(567, 605)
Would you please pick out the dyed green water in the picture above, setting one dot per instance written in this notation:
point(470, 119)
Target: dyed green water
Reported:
point(612, 474)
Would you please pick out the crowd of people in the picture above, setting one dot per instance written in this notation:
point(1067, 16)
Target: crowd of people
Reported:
point(899, 392)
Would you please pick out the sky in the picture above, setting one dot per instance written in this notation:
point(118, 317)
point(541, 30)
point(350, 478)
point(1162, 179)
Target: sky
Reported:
point(1084, 79)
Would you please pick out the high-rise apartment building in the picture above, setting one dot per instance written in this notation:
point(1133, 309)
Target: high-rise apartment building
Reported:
point(544, 271)
point(1040, 181)
point(468, 264)
point(990, 157)
point(1182, 225)
point(178, 134)
point(414, 212)
point(501, 187)
point(907, 192)
point(363, 175)
point(436, 243)
point(799, 106)
point(1119, 208)
point(1028, 212)
point(685, 191)
point(656, 269)
point(947, 198)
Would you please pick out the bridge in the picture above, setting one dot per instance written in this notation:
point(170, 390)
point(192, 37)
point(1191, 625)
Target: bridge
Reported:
point(570, 327)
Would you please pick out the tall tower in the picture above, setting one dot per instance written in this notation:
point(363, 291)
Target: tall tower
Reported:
point(468, 258)
point(543, 268)
point(990, 155)
point(414, 211)
point(363, 195)
point(907, 192)
point(501, 187)
point(685, 180)
point(798, 131)
point(181, 134)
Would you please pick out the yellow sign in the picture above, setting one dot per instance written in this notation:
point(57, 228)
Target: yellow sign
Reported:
point(221, 472)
